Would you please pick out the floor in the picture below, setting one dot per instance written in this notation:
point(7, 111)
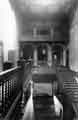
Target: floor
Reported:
point(39, 108)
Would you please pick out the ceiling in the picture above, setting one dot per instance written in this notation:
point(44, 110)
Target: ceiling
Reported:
point(51, 13)
point(42, 8)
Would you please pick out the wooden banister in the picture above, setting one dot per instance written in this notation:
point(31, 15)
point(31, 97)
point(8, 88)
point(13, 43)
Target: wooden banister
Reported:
point(10, 86)
point(69, 85)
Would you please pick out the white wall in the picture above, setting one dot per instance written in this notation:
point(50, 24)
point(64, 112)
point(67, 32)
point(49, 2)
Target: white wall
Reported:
point(8, 29)
point(74, 43)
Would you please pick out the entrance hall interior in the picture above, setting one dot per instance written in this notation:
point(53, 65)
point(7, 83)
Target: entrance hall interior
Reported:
point(39, 60)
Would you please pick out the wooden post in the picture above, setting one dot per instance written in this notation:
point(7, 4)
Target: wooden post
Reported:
point(64, 57)
point(35, 56)
point(49, 55)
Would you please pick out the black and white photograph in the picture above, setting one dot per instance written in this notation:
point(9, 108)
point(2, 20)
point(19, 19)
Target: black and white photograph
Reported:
point(39, 60)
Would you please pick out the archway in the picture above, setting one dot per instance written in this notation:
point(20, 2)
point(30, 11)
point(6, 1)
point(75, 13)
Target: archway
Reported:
point(28, 51)
point(57, 54)
point(42, 52)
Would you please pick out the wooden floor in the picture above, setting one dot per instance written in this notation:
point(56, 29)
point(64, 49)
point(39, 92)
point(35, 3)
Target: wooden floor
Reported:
point(39, 108)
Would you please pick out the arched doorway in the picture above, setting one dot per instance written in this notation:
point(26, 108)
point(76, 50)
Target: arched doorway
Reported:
point(28, 51)
point(42, 52)
point(57, 54)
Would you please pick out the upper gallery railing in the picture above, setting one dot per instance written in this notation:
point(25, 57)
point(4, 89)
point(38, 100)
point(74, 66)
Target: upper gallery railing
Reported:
point(10, 86)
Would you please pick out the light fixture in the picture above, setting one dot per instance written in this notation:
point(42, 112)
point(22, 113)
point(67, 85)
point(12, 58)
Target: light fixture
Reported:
point(43, 51)
point(55, 56)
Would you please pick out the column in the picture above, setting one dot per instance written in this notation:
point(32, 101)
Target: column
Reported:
point(35, 52)
point(34, 33)
point(67, 58)
point(21, 53)
point(51, 33)
point(49, 55)
point(35, 56)
point(1, 56)
point(64, 57)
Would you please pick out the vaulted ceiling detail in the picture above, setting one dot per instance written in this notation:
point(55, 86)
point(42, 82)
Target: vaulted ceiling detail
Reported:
point(53, 14)
point(42, 7)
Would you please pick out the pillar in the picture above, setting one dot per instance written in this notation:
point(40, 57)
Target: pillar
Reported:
point(51, 33)
point(21, 53)
point(35, 56)
point(1, 56)
point(64, 57)
point(35, 52)
point(49, 56)
point(67, 57)
point(34, 33)
point(61, 58)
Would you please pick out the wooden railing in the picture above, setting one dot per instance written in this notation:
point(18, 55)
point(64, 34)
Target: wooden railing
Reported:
point(69, 85)
point(10, 86)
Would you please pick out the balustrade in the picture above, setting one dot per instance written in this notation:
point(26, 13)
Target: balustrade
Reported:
point(10, 86)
